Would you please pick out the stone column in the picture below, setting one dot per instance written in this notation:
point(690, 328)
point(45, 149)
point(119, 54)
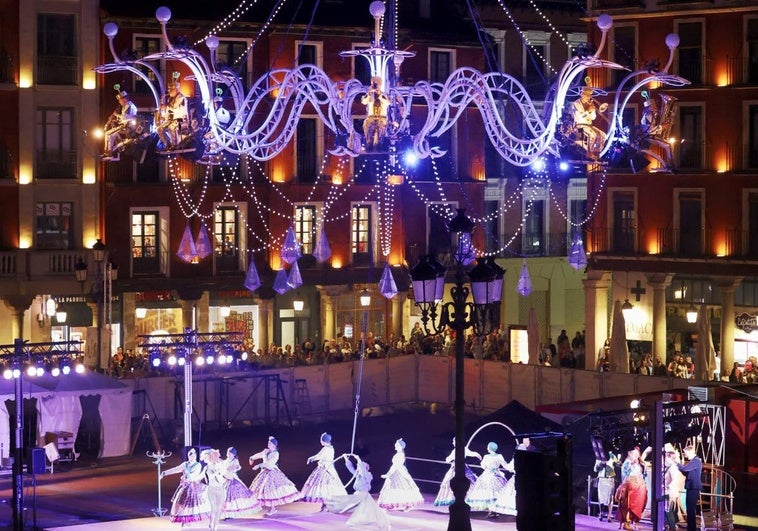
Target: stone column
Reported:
point(659, 283)
point(328, 330)
point(727, 286)
point(17, 304)
point(399, 326)
point(596, 314)
point(265, 325)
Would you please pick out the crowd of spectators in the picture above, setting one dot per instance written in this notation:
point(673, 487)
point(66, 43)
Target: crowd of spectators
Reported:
point(567, 353)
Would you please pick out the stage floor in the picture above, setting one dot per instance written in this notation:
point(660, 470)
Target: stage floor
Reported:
point(306, 516)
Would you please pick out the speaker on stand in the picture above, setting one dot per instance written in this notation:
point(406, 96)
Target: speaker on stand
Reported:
point(544, 496)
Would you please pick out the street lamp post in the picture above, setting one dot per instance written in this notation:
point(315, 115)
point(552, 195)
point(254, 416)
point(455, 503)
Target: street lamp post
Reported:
point(297, 307)
point(483, 315)
point(365, 299)
point(98, 254)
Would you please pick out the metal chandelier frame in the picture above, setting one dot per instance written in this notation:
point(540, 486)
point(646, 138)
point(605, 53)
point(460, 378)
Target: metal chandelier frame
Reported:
point(265, 118)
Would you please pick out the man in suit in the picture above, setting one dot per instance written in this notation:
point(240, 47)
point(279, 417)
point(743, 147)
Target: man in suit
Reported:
point(693, 470)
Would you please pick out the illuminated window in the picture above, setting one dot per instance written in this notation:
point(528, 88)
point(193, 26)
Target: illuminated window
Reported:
point(305, 227)
point(225, 231)
point(145, 242)
point(360, 234)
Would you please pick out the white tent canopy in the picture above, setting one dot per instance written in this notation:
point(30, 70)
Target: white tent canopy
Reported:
point(59, 408)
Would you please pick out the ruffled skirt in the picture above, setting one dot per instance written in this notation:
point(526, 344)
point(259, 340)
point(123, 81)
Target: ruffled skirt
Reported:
point(239, 500)
point(365, 509)
point(322, 485)
point(400, 492)
point(271, 487)
point(485, 491)
point(506, 502)
point(445, 495)
point(190, 502)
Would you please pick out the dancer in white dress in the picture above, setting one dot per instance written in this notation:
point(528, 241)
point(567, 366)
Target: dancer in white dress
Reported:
point(240, 501)
point(491, 481)
point(215, 475)
point(399, 492)
point(324, 482)
point(445, 496)
point(271, 487)
point(365, 510)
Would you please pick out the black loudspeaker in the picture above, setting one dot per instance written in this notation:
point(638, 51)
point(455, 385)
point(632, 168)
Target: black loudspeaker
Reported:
point(38, 461)
point(544, 497)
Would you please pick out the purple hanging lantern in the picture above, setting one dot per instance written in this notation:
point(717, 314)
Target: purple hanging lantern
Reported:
point(252, 278)
point(524, 286)
point(387, 286)
point(323, 251)
point(187, 250)
point(577, 257)
point(280, 282)
point(203, 243)
point(295, 280)
point(291, 247)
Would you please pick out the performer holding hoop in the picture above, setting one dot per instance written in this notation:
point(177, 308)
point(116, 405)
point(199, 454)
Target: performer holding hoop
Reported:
point(491, 481)
point(324, 482)
point(365, 510)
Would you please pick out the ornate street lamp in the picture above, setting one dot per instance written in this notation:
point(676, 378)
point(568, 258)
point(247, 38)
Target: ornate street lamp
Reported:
point(483, 315)
point(98, 294)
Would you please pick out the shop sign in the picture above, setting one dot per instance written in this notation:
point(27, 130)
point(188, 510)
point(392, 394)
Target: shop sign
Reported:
point(153, 296)
point(746, 322)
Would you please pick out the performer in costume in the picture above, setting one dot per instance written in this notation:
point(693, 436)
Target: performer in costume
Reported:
point(215, 474)
point(491, 481)
point(399, 492)
point(324, 482)
point(365, 509)
point(190, 500)
point(606, 485)
point(271, 487)
point(585, 111)
point(172, 116)
point(239, 499)
point(631, 495)
point(120, 126)
point(673, 485)
point(693, 483)
point(445, 495)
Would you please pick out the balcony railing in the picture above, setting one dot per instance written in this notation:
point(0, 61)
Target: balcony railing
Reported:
point(741, 243)
point(57, 70)
point(31, 264)
point(56, 165)
point(683, 242)
point(608, 240)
